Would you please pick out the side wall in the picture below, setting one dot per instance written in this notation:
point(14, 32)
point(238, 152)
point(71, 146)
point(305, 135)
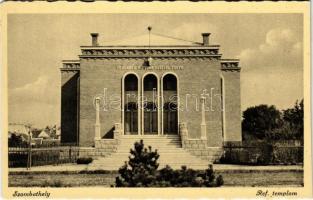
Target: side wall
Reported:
point(232, 108)
point(69, 106)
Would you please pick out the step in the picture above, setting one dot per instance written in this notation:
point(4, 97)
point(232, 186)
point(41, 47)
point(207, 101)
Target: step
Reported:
point(170, 159)
point(150, 136)
point(151, 142)
point(122, 162)
point(169, 147)
point(159, 147)
point(195, 167)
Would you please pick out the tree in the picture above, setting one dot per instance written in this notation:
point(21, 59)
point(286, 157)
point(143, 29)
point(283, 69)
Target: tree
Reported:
point(259, 120)
point(140, 171)
point(294, 118)
point(16, 140)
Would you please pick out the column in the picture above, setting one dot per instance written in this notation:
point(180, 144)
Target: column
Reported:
point(203, 123)
point(97, 124)
point(183, 132)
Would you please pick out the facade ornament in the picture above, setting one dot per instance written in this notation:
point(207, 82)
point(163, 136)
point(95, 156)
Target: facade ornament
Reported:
point(230, 65)
point(97, 124)
point(151, 52)
point(203, 123)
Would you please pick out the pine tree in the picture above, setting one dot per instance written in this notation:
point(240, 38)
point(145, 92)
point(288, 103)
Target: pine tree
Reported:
point(141, 169)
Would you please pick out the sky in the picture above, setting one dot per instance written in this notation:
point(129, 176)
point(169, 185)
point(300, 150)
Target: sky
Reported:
point(269, 46)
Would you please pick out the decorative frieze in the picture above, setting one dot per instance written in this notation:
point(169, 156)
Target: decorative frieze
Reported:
point(230, 64)
point(70, 65)
point(150, 52)
point(168, 59)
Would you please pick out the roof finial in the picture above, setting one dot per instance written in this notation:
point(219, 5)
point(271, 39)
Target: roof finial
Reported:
point(149, 29)
point(149, 60)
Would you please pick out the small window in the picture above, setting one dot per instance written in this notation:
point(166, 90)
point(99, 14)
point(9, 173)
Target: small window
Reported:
point(150, 82)
point(131, 83)
point(170, 82)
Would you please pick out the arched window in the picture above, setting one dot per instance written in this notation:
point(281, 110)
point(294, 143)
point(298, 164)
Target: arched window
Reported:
point(223, 106)
point(150, 115)
point(170, 114)
point(130, 101)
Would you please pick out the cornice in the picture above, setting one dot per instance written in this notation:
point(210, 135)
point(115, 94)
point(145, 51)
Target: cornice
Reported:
point(70, 65)
point(132, 47)
point(230, 65)
point(145, 52)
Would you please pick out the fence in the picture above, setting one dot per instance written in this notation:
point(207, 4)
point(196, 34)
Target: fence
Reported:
point(23, 156)
point(262, 154)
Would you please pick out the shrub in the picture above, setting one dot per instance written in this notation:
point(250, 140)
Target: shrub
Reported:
point(141, 171)
point(84, 160)
point(53, 183)
point(184, 177)
point(263, 154)
point(18, 159)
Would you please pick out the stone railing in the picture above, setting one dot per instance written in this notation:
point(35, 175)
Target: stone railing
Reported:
point(105, 147)
point(183, 133)
point(198, 146)
point(188, 143)
point(117, 132)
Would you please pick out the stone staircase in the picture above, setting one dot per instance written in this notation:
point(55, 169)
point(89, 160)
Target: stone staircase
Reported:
point(169, 147)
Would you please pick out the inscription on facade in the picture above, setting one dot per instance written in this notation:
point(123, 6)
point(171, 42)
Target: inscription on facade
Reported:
point(171, 67)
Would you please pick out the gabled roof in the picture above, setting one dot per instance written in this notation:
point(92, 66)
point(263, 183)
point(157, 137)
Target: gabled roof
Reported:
point(43, 134)
point(18, 129)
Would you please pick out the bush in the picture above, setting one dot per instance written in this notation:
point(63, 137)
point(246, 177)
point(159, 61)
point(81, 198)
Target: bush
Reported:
point(18, 159)
point(262, 154)
point(266, 122)
point(84, 160)
point(141, 171)
point(287, 155)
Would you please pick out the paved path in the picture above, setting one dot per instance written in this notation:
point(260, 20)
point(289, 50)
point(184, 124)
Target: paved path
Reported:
point(218, 167)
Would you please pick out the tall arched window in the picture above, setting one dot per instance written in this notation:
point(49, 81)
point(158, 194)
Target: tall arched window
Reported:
point(131, 105)
point(150, 116)
point(170, 114)
point(223, 106)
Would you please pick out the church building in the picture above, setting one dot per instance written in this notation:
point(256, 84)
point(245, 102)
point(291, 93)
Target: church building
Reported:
point(178, 96)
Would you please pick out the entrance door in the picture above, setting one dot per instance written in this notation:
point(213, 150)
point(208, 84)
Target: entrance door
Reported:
point(170, 118)
point(150, 119)
point(131, 119)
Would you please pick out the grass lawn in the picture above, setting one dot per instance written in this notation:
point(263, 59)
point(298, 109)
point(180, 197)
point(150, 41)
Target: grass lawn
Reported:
point(75, 179)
